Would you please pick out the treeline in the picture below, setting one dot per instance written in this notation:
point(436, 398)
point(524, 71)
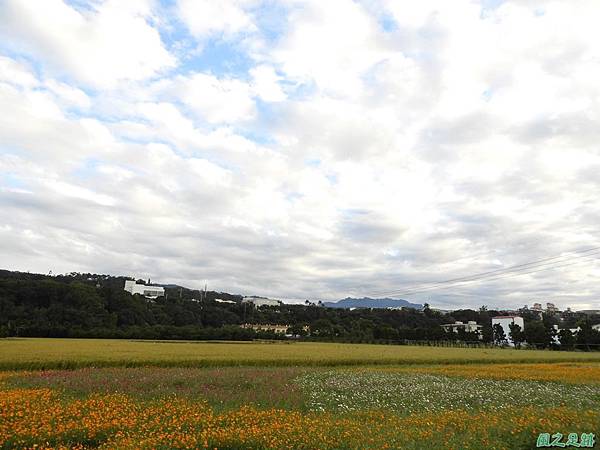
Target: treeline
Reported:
point(91, 305)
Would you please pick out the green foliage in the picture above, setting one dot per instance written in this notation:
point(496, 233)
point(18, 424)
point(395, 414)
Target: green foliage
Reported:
point(538, 335)
point(567, 339)
point(499, 335)
point(91, 305)
point(516, 334)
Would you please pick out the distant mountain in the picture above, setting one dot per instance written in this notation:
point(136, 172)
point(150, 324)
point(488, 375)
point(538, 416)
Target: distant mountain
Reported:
point(367, 302)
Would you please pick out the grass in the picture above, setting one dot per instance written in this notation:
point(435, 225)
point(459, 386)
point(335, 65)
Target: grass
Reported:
point(222, 388)
point(40, 354)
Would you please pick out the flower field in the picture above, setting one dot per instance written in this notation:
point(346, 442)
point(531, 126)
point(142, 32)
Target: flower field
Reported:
point(367, 390)
point(498, 405)
point(38, 418)
point(325, 409)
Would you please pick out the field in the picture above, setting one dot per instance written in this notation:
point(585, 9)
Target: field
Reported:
point(120, 395)
point(75, 353)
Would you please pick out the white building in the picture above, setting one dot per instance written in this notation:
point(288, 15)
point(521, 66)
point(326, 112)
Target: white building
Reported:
point(261, 301)
point(469, 327)
point(505, 322)
point(142, 289)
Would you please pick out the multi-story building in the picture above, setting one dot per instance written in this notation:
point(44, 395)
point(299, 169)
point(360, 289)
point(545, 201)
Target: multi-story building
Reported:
point(277, 328)
point(261, 301)
point(505, 322)
point(145, 290)
point(470, 327)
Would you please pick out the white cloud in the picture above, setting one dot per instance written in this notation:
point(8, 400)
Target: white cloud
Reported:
point(15, 73)
point(206, 17)
point(72, 191)
point(109, 43)
point(265, 84)
point(331, 43)
point(336, 157)
point(214, 99)
point(69, 95)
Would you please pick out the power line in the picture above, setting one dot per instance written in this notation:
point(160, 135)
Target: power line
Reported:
point(510, 275)
point(537, 263)
point(494, 273)
point(492, 252)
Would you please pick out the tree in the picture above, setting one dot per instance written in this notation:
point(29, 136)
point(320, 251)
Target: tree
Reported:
point(567, 339)
point(538, 335)
point(516, 334)
point(322, 327)
point(427, 310)
point(587, 336)
point(499, 336)
point(487, 334)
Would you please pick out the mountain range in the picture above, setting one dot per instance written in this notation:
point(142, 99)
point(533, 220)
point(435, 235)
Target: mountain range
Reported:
point(367, 302)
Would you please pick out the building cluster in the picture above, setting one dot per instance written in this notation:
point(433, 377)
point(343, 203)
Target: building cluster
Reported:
point(470, 327)
point(261, 301)
point(267, 327)
point(147, 291)
point(279, 329)
point(473, 327)
point(538, 308)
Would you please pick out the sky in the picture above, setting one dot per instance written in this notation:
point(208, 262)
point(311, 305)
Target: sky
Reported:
point(305, 148)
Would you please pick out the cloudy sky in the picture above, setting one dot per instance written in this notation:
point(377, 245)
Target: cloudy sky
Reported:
point(305, 149)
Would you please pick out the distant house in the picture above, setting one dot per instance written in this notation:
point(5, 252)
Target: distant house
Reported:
point(505, 322)
point(218, 300)
point(537, 308)
point(145, 290)
point(280, 329)
point(261, 301)
point(470, 327)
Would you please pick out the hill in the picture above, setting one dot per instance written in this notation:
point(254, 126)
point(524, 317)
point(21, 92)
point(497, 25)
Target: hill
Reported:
point(92, 305)
point(367, 302)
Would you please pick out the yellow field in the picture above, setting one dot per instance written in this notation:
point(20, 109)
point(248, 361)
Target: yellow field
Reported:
point(30, 353)
point(572, 373)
